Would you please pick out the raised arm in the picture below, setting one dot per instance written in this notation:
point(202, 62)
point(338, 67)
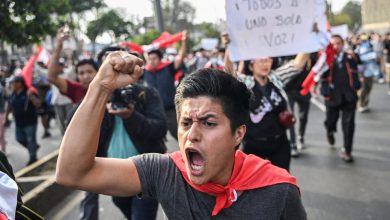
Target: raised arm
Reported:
point(54, 69)
point(300, 60)
point(182, 52)
point(77, 165)
point(229, 67)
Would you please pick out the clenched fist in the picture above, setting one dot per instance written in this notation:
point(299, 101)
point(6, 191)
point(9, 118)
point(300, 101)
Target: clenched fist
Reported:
point(119, 69)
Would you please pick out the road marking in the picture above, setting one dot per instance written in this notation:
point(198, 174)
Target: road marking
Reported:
point(318, 103)
point(69, 206)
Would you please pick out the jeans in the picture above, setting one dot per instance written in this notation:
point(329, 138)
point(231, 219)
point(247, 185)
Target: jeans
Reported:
point(90, 206)
point(62, 112)
point(137, 209)
point(26, 136)
point(365, 92)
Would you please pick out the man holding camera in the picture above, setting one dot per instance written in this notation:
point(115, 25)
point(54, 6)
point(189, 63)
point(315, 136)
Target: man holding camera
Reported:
point(134, 123)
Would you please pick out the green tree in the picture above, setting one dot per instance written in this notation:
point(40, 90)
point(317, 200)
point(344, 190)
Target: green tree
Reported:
point(178, 15)
point(146, 38)
point(26, 22)
point(353, 10)
point(350, 15)
point(341, 18)
point(207, 29)
point(110, 22)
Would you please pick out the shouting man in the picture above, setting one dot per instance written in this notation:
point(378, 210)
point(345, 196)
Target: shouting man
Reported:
point(207, 178)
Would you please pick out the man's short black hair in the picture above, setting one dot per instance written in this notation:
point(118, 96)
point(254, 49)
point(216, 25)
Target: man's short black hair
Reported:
point(338, 36)
point(157, 52)
point(232, 94)
point(106, 50)
point(87, 61)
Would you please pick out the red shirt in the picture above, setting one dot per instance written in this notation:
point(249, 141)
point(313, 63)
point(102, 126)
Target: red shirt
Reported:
point(75, 92)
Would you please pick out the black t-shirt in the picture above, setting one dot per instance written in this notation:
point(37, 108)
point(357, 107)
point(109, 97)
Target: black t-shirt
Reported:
point(264, 114)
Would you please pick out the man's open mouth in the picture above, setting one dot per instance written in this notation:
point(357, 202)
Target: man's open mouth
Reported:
point(196, 161)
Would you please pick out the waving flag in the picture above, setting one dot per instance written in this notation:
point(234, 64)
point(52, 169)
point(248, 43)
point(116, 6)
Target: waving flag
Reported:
point(324, 62)
point(28, 69)
point(162, 42)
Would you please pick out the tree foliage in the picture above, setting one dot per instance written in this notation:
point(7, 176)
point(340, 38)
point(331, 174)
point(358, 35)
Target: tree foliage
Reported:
point(350, 15)
point(353, 10)
point(109, 21)
point(85, 5)
point(146, 38)
point(25, 22)
point(178, 15)
point(207, 29)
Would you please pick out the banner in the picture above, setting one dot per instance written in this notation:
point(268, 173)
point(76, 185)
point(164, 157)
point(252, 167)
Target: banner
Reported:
point(269, 28)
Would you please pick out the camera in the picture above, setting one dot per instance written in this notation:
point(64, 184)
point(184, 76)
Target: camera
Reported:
point(121, 98)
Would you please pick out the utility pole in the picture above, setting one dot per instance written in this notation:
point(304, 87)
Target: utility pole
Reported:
point(159, 17)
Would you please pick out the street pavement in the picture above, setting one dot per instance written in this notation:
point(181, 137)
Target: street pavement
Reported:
point(330, 188)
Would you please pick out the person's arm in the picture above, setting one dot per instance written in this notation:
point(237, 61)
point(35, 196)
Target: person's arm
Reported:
point(182, 52)
point(229, 67)
point(293, 209)
point(54, 69)
point(8, 110)
point(34, 100)
point(300, 60)
point(77, 165)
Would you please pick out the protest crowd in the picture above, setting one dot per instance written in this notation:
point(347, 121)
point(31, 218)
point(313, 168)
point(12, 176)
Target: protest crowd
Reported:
point(232, 119)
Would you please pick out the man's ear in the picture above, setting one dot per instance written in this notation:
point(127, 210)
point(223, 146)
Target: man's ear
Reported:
point(239, 134)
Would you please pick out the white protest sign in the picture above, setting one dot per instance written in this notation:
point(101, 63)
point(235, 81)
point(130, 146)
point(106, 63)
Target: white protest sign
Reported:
point(260, 28)
point(341, 30)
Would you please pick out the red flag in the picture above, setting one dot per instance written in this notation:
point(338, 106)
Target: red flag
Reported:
point(162, 42)
point(28, 69)
point(173, 39)
point(163, 37)
point(133, 47)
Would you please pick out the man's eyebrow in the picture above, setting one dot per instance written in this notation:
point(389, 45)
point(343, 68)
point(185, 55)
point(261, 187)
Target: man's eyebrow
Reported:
point(207, 116)
point(202, 118)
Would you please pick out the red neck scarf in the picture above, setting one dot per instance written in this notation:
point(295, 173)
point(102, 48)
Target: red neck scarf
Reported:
point(249, 172)
point(159, 67)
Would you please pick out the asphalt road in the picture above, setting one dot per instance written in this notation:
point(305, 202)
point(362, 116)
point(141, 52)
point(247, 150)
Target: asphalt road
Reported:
point(330, 188)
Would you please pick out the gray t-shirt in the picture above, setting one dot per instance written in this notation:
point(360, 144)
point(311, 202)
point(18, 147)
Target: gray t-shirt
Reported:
point(161, 179)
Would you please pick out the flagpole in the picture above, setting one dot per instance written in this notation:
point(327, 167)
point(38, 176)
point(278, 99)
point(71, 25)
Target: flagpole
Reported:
point(159, 16)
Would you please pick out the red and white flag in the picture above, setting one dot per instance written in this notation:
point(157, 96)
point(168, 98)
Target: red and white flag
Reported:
point(324, 62)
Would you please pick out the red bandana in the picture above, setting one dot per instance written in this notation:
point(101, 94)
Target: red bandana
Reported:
point(159, 67)
point(249, 172)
